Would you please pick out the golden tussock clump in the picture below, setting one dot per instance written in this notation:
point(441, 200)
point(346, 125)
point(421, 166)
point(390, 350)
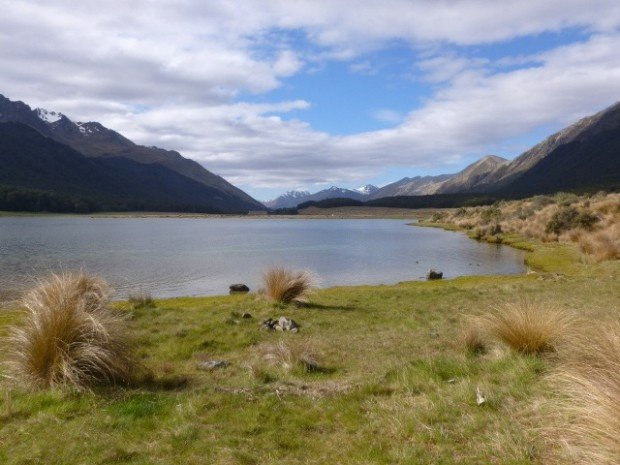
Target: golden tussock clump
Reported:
point(70, 337)
point(282, 285)
point(530, 327)
point(589, 383)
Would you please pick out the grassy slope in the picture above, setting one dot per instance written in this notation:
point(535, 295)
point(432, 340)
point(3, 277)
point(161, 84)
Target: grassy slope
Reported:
point(397, 387)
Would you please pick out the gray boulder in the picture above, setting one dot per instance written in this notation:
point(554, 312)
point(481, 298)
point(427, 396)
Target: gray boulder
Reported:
point(238, 288)
point(433, 274)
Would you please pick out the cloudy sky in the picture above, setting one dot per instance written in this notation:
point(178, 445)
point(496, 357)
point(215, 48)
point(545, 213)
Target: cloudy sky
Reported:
point(277, 95)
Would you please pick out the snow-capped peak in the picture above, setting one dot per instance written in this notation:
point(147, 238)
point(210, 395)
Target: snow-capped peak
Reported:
point(367, 189)
point(48, 116)
point(336, 189)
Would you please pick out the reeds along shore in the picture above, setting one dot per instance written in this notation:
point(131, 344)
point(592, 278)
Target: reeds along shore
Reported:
point(590, 221)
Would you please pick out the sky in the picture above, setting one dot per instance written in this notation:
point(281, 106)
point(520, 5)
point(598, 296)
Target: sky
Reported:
point(276, 95)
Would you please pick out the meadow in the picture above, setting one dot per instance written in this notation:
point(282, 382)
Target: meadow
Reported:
point(415, 373)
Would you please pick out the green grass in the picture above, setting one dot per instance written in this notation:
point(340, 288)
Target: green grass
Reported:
point(398, 387)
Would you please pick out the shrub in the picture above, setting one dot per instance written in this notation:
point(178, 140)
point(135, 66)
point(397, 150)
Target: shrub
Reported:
point(590, 383)
point(586, 220)
point(285, 286)
point(70, 336)
point(562, 220)
point(490, 214)
point(529, 327)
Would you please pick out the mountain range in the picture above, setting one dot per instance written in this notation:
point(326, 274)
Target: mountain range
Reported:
point(293, 198)
point(584, 155)
point(128, 176)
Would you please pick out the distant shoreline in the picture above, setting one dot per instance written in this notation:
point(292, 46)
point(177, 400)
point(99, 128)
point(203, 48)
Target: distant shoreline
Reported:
point(308, 213)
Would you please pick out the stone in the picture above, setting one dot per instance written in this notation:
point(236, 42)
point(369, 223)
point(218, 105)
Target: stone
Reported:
point(238, 289)
point(433, 274)
point(212, 364)
point(246, 316)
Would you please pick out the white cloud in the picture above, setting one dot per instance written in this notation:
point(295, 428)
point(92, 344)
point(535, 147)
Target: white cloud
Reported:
point(175, 74)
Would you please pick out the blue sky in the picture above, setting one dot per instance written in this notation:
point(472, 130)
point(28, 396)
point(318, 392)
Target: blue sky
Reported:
point(306, 94)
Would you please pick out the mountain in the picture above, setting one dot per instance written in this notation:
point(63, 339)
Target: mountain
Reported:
point(289, 199)
point(473, 176)
point(368, 189)
point(418, 185)
point(586, 155)
point(293, 198)
point(34, 167)
point(94, 140)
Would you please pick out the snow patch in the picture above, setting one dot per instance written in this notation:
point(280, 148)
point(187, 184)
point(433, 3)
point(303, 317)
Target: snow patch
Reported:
point(48, 116)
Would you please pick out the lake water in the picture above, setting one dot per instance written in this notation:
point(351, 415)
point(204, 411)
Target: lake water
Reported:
point(203, 256)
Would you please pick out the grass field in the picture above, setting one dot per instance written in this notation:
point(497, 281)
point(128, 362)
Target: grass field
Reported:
point(391, 381)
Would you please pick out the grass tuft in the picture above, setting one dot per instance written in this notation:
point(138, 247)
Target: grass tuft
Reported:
point(285, 286)
point(590, 384)
point(473, 340)
point(141, 299)
point(70, 337)
point(529, 327)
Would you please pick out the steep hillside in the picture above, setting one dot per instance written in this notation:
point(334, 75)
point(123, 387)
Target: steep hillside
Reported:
point(95, 140)
point(28, 160)
point(473, 175)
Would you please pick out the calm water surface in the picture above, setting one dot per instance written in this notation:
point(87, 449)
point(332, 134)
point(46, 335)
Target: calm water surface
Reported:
point(197, 256)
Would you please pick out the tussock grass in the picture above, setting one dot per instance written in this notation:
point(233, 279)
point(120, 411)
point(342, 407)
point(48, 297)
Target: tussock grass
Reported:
point(590, 222)
point(141, 299)
point(284, 286)
point(530, 327)
point(70, 337)
point(473, 339)
point(590, 383)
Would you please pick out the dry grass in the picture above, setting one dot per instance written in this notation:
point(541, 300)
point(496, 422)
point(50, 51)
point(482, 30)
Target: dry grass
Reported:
point(288, 356)
point(530, 327)
point(69, 337)
point(141, 299)
point(472, 338)
point(591, 222)
point(284, 286)
point(590, 383)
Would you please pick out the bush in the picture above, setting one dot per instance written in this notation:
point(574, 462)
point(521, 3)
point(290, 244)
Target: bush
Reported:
point(70, 336)
point(529, 327)
point(285, 286)
point(566, 219)
point(491, 214)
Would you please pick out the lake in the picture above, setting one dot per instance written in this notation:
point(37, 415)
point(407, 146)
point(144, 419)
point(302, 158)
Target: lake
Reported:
point(203, 256)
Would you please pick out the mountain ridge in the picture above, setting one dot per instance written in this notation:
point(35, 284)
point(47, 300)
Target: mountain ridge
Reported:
point(94, 140)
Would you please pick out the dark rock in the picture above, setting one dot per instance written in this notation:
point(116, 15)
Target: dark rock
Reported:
point(246, 316)
point(238, 288)
point(212, 364)
point(433, 274)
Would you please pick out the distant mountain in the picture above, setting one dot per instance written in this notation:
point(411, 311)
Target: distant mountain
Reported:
point(368, 189)
point(38, 173)
point(293, 198)
point(418, 185)
point(92, 139)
